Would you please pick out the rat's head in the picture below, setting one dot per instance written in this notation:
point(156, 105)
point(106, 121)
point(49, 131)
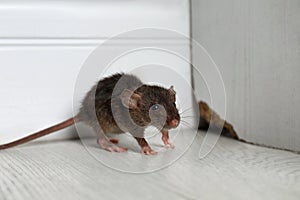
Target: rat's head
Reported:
point(152, 105)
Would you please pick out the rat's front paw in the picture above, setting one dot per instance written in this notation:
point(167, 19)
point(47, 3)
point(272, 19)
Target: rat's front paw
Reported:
point(168, 144)
point(165, 139)
point(148, 151)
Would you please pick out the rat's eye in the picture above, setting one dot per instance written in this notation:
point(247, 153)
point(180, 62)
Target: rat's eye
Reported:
point(154, 107)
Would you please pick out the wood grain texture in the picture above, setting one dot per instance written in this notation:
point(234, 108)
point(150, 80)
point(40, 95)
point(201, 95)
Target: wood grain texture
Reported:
point(65, 170)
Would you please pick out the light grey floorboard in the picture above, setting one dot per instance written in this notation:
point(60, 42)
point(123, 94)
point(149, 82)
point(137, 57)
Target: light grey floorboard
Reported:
point(233, 170)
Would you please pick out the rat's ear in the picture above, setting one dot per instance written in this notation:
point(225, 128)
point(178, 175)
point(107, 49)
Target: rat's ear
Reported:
point(172, 91)
point(130, 99)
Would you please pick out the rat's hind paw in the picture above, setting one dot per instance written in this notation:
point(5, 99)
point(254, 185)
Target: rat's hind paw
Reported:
point(115, 148)
point(148, 151)
point(109, 146)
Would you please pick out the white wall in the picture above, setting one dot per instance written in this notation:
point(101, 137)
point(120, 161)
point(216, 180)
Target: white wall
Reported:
point(256, 45)
point(43, 45)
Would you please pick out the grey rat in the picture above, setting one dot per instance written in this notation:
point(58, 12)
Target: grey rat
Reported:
point(121, 103)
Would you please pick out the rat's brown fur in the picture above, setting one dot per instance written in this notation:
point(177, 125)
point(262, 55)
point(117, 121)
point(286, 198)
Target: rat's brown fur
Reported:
point(107, 100)
point(105, 109)
point(209, 116)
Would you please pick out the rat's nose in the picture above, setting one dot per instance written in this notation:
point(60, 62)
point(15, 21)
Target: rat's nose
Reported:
point(174, 123)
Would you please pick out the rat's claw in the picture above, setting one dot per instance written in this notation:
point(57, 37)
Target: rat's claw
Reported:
point(148, 151)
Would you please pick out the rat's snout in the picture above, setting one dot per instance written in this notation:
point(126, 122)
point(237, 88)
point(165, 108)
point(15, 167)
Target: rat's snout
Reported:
point(174, 123)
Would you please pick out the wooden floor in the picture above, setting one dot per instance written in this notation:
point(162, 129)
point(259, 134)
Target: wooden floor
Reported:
point(233, 170)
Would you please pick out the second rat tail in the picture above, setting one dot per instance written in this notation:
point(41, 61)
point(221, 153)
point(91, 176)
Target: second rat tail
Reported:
point(41, 133)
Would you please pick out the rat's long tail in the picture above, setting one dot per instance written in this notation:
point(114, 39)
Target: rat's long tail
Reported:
point(41, 133)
